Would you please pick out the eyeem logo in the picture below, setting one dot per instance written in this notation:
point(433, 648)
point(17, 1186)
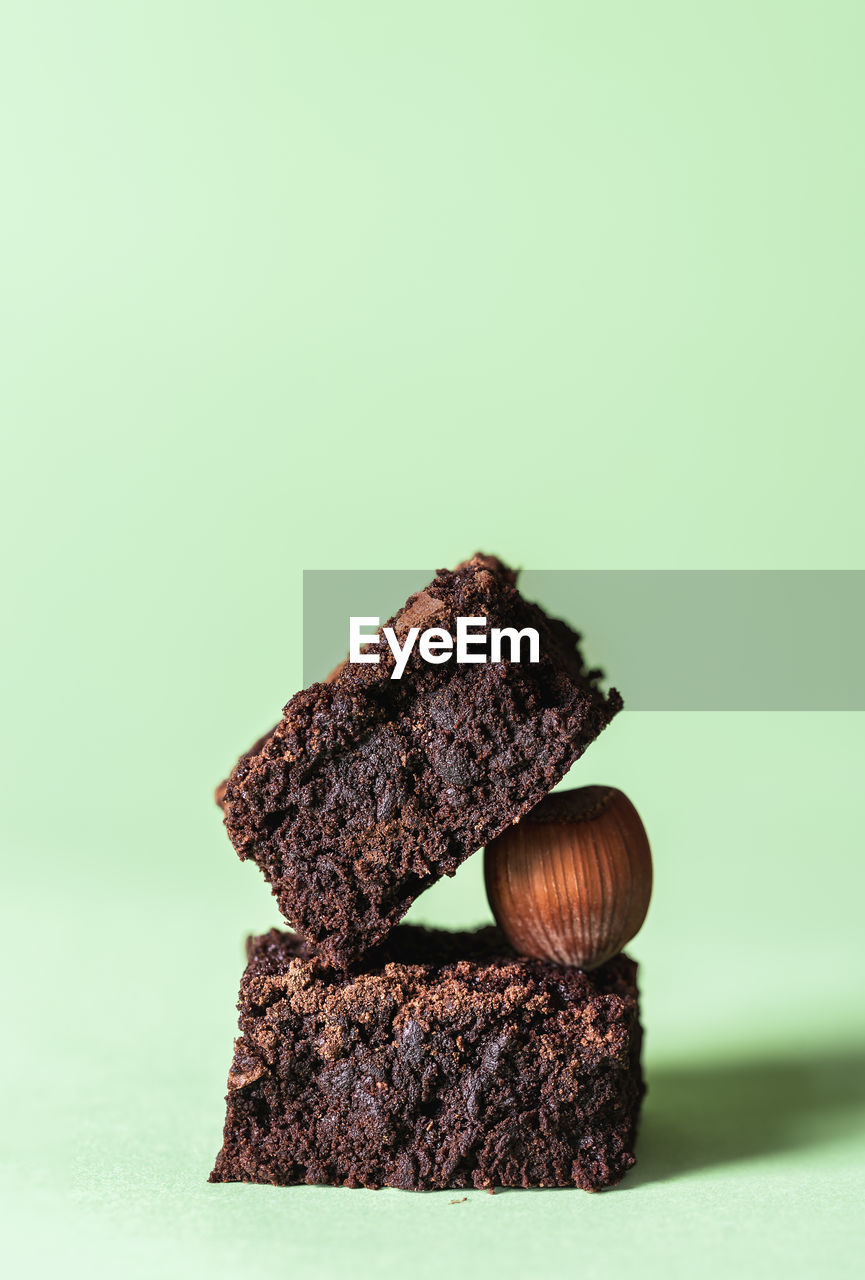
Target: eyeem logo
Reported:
point(473, 643)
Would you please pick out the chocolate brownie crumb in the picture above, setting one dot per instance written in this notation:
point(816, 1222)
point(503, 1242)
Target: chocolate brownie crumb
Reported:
point(370, 789)
point(443, 1061)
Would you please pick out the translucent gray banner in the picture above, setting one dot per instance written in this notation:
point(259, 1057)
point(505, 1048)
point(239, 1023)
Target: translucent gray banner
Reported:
point(669, 640)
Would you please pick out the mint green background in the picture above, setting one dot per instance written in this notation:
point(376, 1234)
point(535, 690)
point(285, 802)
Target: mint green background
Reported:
point(371, 285)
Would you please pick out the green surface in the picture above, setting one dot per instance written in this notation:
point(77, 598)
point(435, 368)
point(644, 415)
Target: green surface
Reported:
point(371, 285)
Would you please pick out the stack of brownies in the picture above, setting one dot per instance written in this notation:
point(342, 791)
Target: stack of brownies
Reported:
point(374, 1053)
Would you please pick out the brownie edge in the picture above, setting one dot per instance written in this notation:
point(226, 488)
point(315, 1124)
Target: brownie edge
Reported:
point(370, 789)
point(444, 1061)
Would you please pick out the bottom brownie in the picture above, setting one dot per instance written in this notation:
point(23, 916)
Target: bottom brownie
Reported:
point(443, 1060)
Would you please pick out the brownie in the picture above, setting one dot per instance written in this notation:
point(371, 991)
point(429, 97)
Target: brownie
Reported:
point(444, 1060)
point(370, 788)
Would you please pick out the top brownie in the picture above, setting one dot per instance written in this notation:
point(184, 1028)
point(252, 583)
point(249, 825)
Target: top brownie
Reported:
point(370, 789)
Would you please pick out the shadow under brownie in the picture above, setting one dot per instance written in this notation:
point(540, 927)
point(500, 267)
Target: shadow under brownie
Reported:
point(442, 1061)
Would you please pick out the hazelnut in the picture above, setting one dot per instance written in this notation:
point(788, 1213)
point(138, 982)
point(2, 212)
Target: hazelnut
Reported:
point(571, 881)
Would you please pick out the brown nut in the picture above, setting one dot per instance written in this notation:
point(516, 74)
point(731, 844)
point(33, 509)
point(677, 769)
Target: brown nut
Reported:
point(571, 881)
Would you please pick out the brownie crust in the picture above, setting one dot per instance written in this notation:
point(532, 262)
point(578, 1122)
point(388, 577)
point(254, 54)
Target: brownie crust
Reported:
point(445, 1062)
point(370, 789)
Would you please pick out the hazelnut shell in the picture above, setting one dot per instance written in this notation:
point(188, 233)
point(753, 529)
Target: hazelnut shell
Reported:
point(571, 881)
